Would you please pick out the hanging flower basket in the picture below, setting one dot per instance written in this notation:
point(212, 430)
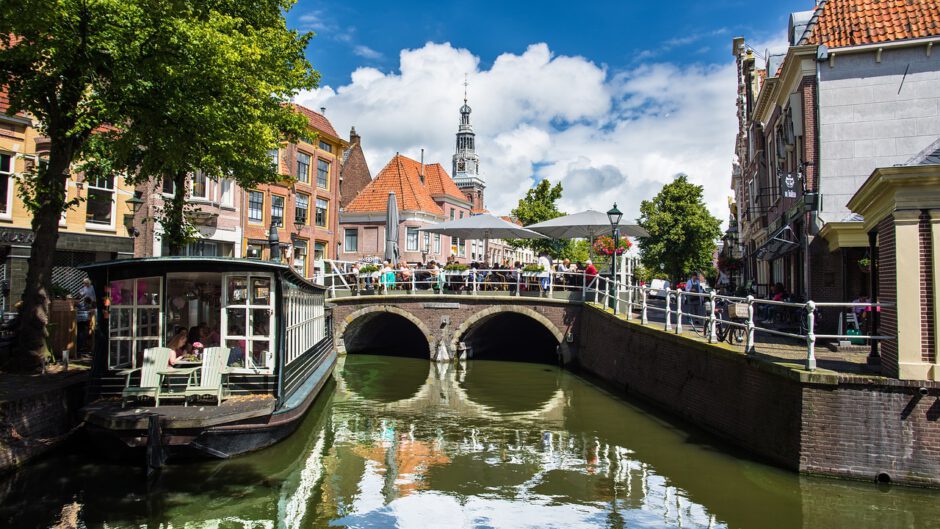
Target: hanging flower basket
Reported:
point(864, 264)
point(605, 245)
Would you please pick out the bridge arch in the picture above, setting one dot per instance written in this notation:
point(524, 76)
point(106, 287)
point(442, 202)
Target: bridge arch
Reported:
point(553, 336)
point(358, 323)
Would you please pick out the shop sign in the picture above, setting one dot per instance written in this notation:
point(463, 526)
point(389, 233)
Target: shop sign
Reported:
point(788, 184)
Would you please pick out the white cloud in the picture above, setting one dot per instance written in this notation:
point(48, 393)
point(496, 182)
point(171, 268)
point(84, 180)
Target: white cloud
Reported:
point(366, 52)
point(606, 136)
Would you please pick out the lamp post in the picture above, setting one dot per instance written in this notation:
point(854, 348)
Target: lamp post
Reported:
point(614, 216)
point(274, 243)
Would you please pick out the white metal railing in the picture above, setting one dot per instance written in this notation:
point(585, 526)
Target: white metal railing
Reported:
point(712, 311)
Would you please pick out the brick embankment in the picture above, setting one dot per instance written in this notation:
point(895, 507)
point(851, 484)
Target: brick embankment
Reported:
point(821, 422)
point(37, 414)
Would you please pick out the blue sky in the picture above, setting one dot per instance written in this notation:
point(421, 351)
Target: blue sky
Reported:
point(600, 95)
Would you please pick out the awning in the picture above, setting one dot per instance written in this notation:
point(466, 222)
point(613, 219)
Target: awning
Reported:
point(779, 244)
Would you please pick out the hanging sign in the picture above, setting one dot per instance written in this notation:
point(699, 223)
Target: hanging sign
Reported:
point(788, 184)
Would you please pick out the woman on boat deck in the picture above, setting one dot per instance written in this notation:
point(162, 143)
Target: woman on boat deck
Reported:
point(179, 344)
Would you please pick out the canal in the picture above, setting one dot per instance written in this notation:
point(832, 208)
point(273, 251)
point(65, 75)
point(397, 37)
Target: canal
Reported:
point(400, 442)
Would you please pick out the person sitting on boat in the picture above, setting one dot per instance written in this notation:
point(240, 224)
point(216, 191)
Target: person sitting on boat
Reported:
point(208, 336)
point(179, 346)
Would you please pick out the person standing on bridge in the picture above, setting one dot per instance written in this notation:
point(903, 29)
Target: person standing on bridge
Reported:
point(545, 274)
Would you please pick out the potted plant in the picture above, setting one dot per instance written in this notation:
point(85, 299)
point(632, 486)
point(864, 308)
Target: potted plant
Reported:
point(530, 270)
point(456, 268)
point(865, 264)
point(729, 264)
point(368, 270)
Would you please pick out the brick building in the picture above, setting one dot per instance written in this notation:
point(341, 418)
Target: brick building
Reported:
point(858, 88)
point(354, 175)
point(425, 194)
point(304, 207)
point(96, 229)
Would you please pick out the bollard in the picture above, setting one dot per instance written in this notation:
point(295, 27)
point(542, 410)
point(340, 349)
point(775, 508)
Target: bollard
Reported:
point(810, 335)
point(630, 291)
point(749, 345)
point(668, 310)
point(679, 311)
point(711, 317)
point(65, 359)
point(643, 318)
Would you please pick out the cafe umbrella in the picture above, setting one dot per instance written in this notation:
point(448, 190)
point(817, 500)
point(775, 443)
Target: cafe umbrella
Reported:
point(392, 252)
point(584, 225)
point(482, 227)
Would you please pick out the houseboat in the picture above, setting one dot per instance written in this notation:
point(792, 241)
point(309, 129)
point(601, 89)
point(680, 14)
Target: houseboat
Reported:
point(266, 330)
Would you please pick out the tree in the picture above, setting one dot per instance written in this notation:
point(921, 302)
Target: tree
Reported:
point(682, 233)
point(539, 205)
point(78, 66)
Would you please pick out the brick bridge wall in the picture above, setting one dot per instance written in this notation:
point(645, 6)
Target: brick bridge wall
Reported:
point(444, 320)
point(839, 425)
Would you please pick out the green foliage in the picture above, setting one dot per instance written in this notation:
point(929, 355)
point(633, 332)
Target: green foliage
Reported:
point(578, 250)
point(648, 274)
point(368, 269)
point(456, 267)
point(682, 233)
point(60, 292)
point(533, 268)
point(538, 205)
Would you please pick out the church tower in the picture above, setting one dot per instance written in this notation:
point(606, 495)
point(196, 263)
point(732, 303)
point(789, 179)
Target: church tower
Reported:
point(466, 168)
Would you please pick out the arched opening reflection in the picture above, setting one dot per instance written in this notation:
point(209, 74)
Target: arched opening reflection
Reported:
point(385, 333)
point(383, 378)
point(511, 336)
point(510, 387)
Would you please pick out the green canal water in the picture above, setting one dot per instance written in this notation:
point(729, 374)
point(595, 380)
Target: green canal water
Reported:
point(399, 442)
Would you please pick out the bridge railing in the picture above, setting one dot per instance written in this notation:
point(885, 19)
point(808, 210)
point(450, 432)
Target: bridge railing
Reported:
point(473, 281)
point(738, 319)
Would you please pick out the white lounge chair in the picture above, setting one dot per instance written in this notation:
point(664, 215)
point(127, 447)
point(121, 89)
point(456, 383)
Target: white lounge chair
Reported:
point(211, 373)
point(155, 360)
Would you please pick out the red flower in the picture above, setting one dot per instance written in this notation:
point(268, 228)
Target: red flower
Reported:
point(605, 245)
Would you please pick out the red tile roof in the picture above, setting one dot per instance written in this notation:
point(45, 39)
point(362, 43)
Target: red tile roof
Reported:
point(439, 182)
point(4, 100)
point(854, 22)
point(317, 120)
point(401, 175)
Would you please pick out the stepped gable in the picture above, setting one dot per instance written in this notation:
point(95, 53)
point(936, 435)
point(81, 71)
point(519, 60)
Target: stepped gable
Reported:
point(401, 175)
point(841, 23)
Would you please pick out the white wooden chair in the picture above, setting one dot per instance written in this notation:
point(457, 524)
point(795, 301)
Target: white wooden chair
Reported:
point(155, 360)
point(211, 374)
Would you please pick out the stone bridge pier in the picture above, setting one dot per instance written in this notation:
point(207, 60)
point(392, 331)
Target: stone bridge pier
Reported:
point(444, 328)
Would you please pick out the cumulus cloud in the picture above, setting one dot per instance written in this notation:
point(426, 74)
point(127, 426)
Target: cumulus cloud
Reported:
point(607, 136)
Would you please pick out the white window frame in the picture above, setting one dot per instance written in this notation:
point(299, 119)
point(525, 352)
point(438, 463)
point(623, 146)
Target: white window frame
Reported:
point(306, 321)
point(298, 245)
point(327, 173)
point(355, 238)
point(326, 213)
point(89, 187)
point(227, 192)
point(204, 197)
point(297, 200)
point(135, 325)
point(260, 209)
point(411, 232)
point(10, 173)
point(437, 244)
point(248, 336)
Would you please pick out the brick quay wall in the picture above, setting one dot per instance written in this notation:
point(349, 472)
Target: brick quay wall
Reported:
point(37, 416)
point(851, 426)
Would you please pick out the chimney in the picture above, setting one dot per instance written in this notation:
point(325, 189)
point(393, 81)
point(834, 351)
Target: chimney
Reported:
point(353, 135)
point(323, 110)
point(422, 165)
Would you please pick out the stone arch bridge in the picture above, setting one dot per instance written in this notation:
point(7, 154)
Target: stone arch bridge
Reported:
point(446, 327)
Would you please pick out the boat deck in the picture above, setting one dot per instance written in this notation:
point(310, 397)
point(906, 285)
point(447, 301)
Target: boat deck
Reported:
point(108, 413)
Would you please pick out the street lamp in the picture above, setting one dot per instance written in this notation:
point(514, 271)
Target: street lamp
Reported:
point(614, 216)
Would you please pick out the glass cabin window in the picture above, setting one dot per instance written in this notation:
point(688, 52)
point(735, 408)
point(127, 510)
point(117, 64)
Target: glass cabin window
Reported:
point(248, 322)
point(135, 320)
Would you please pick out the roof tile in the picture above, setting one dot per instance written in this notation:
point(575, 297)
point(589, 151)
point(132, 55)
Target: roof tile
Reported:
point(843, 23)
point(403, 176)
point(317, 120)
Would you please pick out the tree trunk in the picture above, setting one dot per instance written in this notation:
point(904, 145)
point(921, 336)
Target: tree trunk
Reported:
point(174, 216)
point(33, 316)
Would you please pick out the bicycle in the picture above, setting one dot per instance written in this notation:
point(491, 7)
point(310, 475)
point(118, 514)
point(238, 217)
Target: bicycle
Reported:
point(729, 327)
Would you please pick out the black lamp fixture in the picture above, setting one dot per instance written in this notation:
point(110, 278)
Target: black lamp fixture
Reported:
point(274, 243)
point(135, 202)
point(614, 215)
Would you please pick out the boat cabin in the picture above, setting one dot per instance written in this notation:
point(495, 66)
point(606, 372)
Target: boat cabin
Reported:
point(273, 323)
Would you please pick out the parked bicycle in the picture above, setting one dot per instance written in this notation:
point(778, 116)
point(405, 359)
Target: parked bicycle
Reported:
point(730, 321)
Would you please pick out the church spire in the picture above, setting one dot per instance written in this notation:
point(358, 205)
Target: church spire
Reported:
point(466, 168)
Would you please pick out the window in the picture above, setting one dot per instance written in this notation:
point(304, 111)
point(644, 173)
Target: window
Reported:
point(246, 321)
point(135, 320)
point(200, 186)
point(255, 206)
point(319, 251)
point(254, 251)
point(169, 186)
point(452, 214)
point(324, 146)
point(303, 167)
point(100, 203)
point(352, 240)
point(6, 181)
point(323, 174)
point(277, 211)
point(300, 257)
point(322, 206)
point(227, 194)
point(437, 244)
point(305, 324)
point(411, 239)
point(461, 214)
point(427, 242)
point(301, 205)
point(274, 155)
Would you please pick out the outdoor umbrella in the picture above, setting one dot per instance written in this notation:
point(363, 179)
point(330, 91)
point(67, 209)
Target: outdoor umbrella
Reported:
point(482, 227)
point(391, 230)
point(585, 225)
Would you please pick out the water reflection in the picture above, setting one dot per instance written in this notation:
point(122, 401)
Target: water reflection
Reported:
point(428, 446)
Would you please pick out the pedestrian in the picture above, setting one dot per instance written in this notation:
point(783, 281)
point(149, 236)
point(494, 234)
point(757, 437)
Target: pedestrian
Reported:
point(87, 291)
point(83, 322)
point(545, 264)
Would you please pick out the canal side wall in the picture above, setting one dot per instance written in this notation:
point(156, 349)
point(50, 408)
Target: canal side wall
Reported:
point(38, 419)
point(850, 426)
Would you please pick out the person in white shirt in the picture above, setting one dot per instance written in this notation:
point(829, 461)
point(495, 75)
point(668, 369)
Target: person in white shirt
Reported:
point(544, 276)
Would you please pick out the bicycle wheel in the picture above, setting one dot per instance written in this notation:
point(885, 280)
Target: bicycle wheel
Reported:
point(736, 335)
